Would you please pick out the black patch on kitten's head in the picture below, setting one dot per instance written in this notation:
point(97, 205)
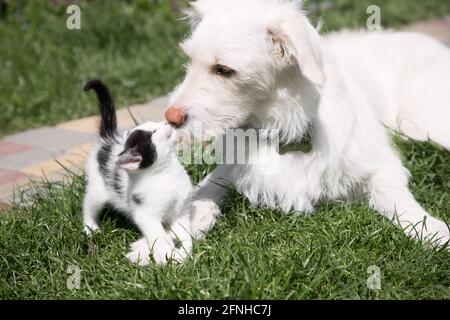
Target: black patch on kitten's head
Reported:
point(139, 149)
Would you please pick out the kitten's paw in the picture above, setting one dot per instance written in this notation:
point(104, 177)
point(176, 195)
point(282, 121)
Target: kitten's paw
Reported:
point(180, 254)
point(140, 252)
point(203, 217)
point(438, 234)
point(434, 233)
point(162, 251)
point(90, 229)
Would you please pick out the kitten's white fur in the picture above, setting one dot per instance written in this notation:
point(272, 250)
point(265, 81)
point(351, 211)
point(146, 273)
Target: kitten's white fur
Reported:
point(163, 191)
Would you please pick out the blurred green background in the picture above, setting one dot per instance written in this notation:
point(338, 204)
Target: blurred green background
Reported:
point(132, 45)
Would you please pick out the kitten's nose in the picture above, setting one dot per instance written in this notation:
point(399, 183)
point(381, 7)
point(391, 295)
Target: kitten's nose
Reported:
point(176, 116)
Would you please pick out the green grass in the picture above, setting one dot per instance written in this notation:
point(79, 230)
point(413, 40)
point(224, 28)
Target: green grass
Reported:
point(252, 252)
point(132, 46)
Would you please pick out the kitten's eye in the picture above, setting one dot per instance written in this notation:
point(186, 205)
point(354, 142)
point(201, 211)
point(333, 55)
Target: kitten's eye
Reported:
point(222, 71)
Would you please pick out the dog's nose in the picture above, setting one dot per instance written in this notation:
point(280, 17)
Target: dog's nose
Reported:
point(176, 116)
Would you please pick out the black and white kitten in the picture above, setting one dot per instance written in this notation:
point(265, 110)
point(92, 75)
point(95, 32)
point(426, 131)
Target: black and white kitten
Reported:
point(140, 175)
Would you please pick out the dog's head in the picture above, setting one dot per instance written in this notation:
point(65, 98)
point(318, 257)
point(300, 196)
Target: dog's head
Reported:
point(241, 54)
point(146, 145)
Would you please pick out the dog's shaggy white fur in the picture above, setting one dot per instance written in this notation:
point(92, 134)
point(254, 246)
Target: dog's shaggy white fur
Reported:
point(139, 174)
point(261, 63)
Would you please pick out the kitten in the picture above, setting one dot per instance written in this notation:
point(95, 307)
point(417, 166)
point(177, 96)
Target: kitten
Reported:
point(139, 174)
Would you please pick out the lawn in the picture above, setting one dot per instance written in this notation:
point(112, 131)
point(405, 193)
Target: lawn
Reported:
point(252, 252)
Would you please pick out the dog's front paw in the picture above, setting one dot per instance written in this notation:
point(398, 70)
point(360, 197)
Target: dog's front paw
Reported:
point(203, 217)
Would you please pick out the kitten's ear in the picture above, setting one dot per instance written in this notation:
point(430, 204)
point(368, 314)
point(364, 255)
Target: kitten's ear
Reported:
point(130, 159)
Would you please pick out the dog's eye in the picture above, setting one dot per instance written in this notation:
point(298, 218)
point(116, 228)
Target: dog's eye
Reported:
point(222, 70)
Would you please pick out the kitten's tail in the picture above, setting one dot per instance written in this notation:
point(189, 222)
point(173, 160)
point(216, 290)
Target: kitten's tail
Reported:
point(108, 122)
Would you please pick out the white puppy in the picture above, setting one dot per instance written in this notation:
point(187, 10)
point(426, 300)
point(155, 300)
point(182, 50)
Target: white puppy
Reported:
point(261, 64)
point(139, 175)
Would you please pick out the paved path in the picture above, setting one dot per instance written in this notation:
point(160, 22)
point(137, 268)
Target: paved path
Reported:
point(43, 152)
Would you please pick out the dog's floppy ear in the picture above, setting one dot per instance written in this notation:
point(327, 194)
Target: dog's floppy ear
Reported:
point(296, 40)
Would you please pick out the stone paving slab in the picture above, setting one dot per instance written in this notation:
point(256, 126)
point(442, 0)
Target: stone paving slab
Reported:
point(19, 160)
point(70, 159)
point(10, 175)
point(7, 189)
point(85, 125)
point(51, 139)
point(8, 148)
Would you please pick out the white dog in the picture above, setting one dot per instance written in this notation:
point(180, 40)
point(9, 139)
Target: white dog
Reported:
point(261, 64)
point(140, 175)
